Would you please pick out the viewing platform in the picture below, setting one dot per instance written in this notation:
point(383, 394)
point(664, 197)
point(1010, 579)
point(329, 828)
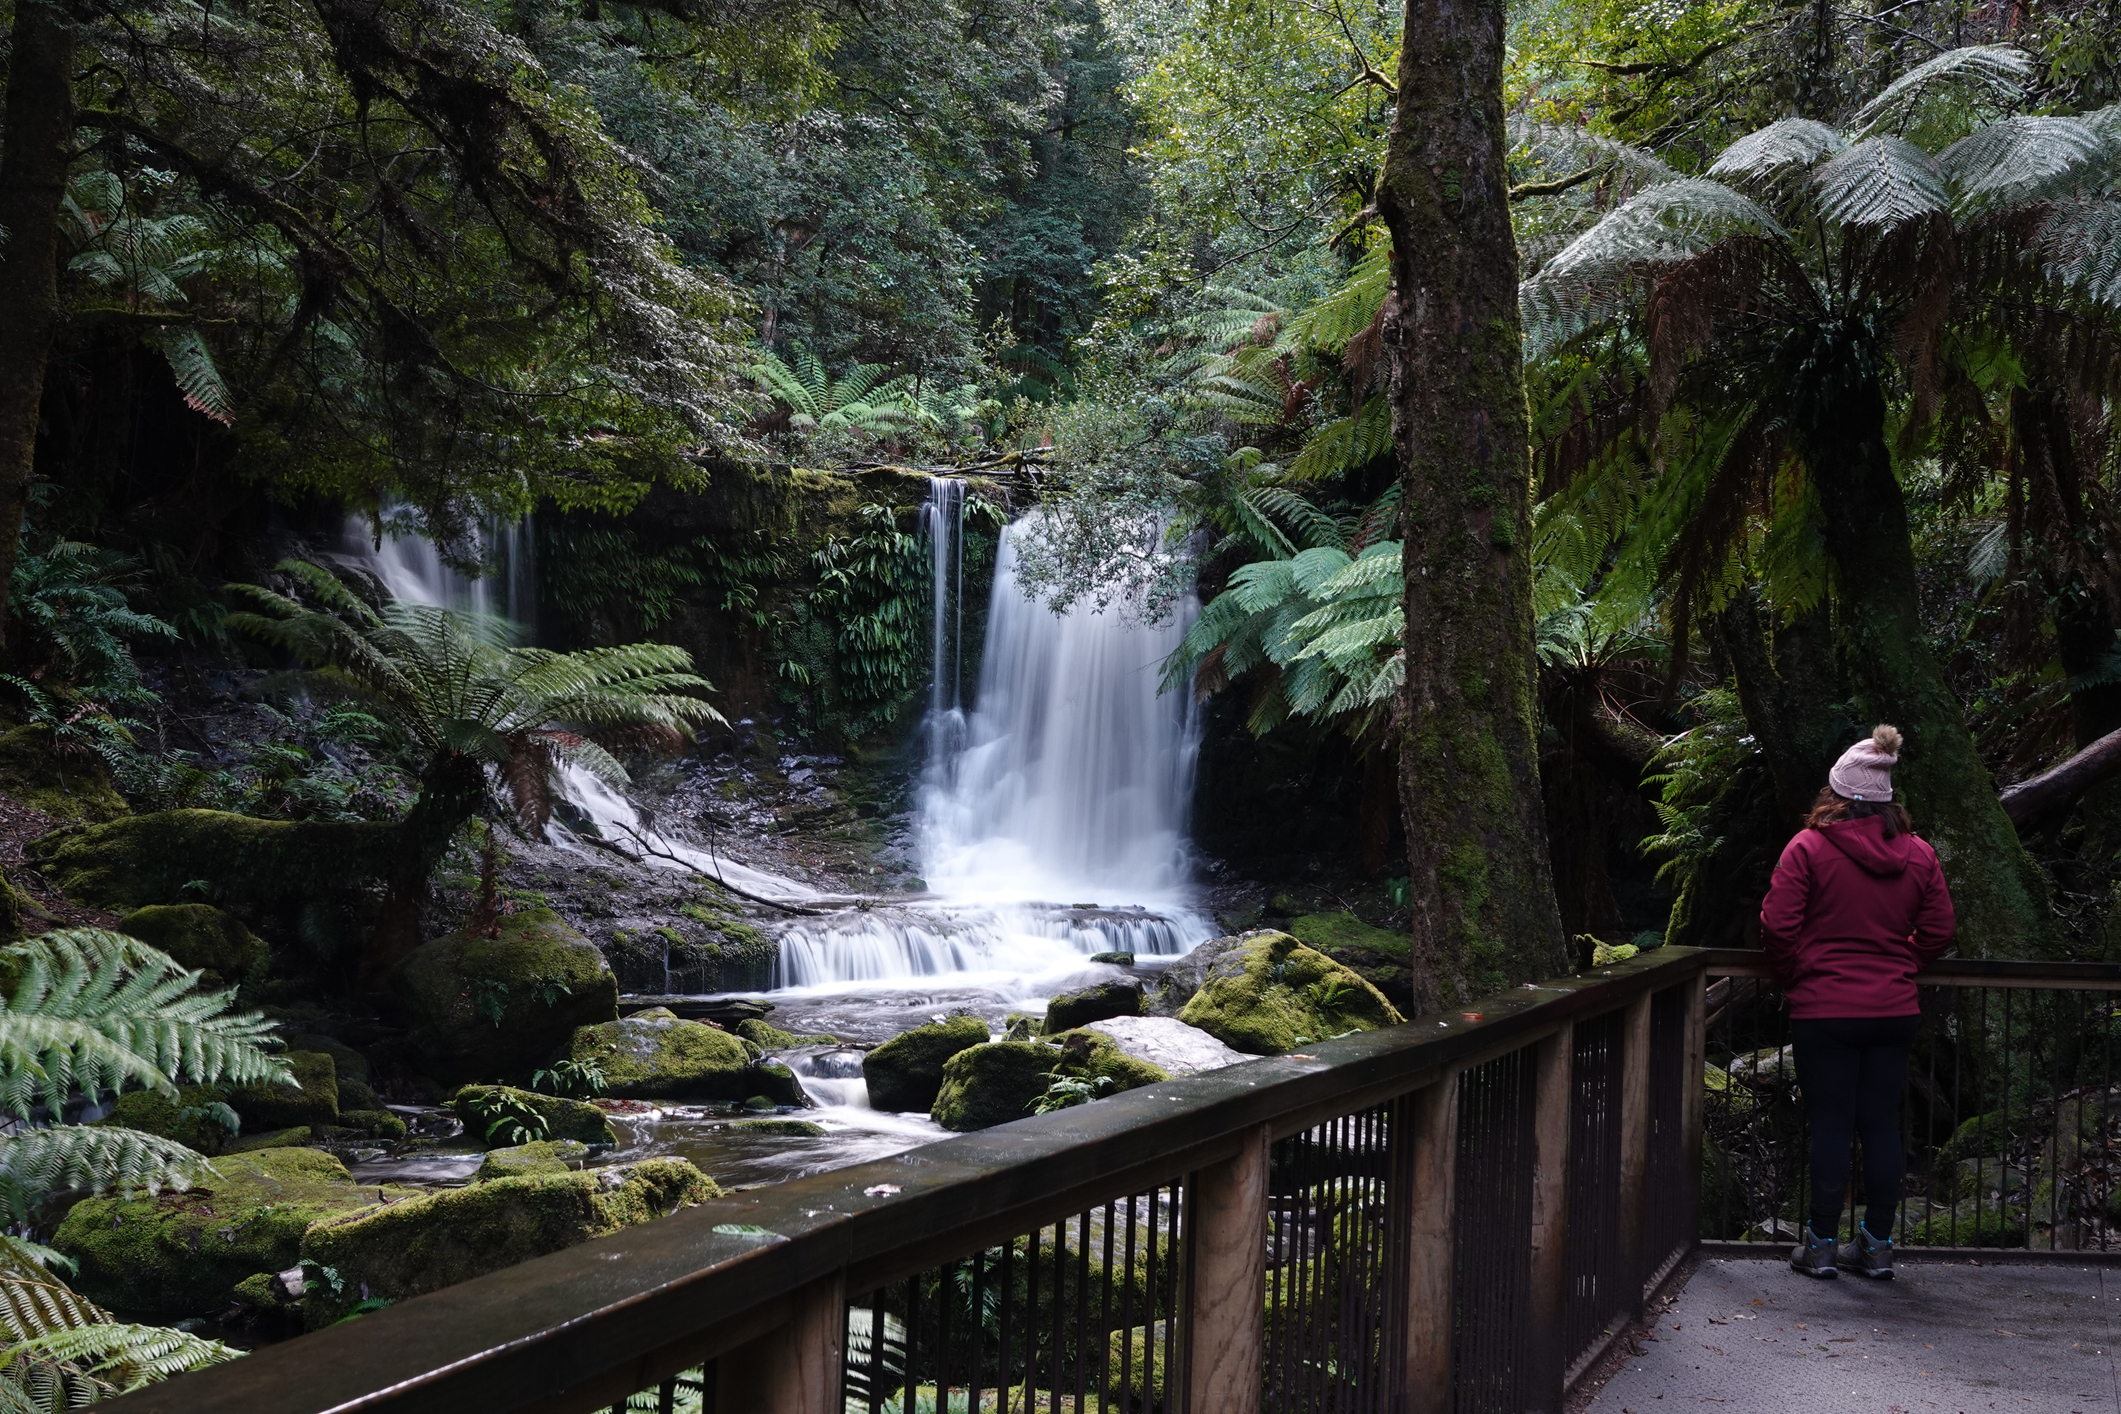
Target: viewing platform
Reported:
point(1572, 1195)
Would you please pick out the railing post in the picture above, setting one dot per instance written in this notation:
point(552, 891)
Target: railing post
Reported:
point(1552, 1064)
point(1431, 1304)
point(1226, 1293)
point(1634, 1195)
point(1693, 1053)
point(796, 1368)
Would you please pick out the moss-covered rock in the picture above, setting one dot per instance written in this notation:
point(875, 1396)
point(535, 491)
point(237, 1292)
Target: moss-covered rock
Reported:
point(313, 1099)
point(542, 1156)
point(564, 1119)
point(1180, 981)
point(993, 1083)
point(1970, 1224)
point(1271, 994)
point(202, 938)
point(786, 1128)
point(777, 1083)
point(355, 1094)
point(296, 1137)
point(657, 1054)
point(771, 1038)
point(1377, 955)
point(491, 1008)
point(1975, 1138)
point(1099, 1002)
point(1092, 1055)
point(376, 1124)
point(149, 859)
point(174, 1254)
point(906, 1072)
point(72, 786)
point(188, 1117)
point(435, 1240)
point(350, 1061)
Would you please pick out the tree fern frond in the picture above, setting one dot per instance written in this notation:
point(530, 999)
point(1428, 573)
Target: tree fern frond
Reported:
point(1344, 444)
point(197, 378)
point(2020, 160)
point(1770, 154)
point(35, 1163)
point(2079, 246)
point(1881, 182)
point(1571, 146)
point(1328, 323)
point(1983, 74)
point(124, 1357)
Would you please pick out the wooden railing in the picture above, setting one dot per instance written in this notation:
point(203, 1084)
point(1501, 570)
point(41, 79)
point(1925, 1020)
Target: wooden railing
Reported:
point(1461, 1213)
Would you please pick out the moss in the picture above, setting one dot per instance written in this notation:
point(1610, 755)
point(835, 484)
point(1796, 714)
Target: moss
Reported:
point(436, 1240)
point(1099, 1002)
point(1970, 1224)
point(377, 1124)
point(1092, 1055)
point(543, 1156)
point(491, 1008)
point(1975, 1138)
point(777, 1083)
point(656, 1054)
point(906, 1072)
point(350, 1061)
point(182, 1253)
point(313, 1099)
point(202, 938)
point(770, 1038)
point(564, 1119)
point(791, 1128)
point(1377, 955)
point(75, 787)
point(993, 1083)
point(150, 859)
point(1270, 994)
point(294, 1138)
point(356, 1095)
point(256, 1291)
point(184, 1118)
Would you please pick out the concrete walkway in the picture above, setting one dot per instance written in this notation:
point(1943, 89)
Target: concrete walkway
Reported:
point(1753, 1337)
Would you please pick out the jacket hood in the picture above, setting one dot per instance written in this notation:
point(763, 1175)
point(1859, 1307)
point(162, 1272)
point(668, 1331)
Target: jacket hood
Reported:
point(1864, 841)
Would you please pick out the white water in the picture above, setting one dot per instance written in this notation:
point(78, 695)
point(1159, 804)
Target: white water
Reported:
point(411, 568)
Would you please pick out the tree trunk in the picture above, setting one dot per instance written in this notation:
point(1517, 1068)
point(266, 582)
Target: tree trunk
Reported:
point(452, 790)
point(2065, 531)
point(34, 156)
point(1894, 676)
point(1785, 688)
point(1482, 889)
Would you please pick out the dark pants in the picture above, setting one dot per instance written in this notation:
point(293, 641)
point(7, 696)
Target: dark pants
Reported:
point(1852, 1070)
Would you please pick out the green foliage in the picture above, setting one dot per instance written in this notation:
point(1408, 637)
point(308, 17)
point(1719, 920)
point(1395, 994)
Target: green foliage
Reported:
point(506, 1121)
point(1067, 1091)
point(571, 1079)
point(864, 625)
point(70, 609)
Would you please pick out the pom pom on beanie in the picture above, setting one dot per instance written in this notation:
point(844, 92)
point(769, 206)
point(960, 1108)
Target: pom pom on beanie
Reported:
point(1865, 770)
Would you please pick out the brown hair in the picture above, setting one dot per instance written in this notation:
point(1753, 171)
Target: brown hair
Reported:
point(1830, 808)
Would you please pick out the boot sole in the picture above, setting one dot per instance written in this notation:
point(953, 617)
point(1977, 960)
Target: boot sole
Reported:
point(1817, 1273)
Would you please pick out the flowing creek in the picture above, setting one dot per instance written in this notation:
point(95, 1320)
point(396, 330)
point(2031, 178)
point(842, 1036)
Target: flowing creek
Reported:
point(1049, 821)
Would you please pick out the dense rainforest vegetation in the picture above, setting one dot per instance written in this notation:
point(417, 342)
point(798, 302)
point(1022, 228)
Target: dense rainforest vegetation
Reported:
point(1565, 429)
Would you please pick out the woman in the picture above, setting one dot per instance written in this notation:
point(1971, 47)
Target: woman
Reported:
point(1857, 907)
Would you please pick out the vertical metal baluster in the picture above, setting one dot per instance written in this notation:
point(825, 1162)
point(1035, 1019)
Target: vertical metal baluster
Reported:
point(913, 1339)
point(945, 1298)
point(1055, 1379)
point(976, 1371)
point(666, 1397)
point(1082, 1310)
point(876, 1351)
point(1176, 1329)
point(1126, 1312)
point(1001, 1344)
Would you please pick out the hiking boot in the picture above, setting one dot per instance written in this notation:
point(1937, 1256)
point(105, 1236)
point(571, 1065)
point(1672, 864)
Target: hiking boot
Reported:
point(1867, 1256)
point(1814, 1256)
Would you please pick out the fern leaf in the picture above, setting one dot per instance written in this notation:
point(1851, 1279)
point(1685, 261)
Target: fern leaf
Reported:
point(1881, 182)
point(197, 377)
point(2020, 160)
point(1769, 155)
point(1992, 74)
point(36, 1163)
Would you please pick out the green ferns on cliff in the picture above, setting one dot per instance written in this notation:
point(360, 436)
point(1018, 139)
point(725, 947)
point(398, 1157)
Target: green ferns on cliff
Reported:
point(91, 1013)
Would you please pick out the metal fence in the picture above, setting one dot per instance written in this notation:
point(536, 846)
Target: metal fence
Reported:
point(1458, 1214)
point(2009, 1119)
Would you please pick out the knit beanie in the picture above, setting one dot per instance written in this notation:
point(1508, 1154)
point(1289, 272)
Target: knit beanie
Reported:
point(1865, 770)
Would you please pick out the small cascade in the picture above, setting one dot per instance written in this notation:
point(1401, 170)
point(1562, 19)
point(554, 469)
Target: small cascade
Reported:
point(412, 568)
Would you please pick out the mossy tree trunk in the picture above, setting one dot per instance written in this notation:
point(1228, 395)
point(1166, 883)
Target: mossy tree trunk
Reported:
point(1895, 677)
point(34, 155)
point(1787, 688)
point(1481, 882)
point(452, 792)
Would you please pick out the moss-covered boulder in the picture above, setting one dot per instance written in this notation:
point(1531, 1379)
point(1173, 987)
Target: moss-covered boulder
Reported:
point(993, 1083)
point(1093, 1056)
point(1378, 955)
point(776, 1082)
point(540, 1156)
point(189, 1117)
point(564, 1119)
point(492, 1008)
point(177, 1254)
point(374, 1124)
point(1098, 1002)
point(1180, 981)
point(349, 1061)
point(656, 1054)
point(312, 1099)
point(780, 1128)
point(74, 786)
point(435, 1240)
point(1270, 994)
point(202, 938)
point(295, 1137)
point(149, 859)
point(906, 1072)
point(771, 1038)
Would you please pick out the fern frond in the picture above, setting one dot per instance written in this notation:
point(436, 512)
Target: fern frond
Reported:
point(1770, 155)
point(122, 1357)
point(36, 1163)
point(1981, 75)
point(2020, 160)
point(1881, 182)
point(1344, 444)
point(2078, 245)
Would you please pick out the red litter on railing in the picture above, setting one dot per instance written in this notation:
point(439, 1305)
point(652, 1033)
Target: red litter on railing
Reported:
point(1470, 1015)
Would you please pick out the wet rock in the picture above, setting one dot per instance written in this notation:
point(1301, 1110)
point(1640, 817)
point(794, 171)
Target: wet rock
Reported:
point(202, 938)
point(425, 1243)
point(656, 1055)
point(541, 1156)
point(771, 1038)
point(1377, 955)
point(150, 859)
point(992, 1084)
point(1093, 1003)
point(1269, 994)
point(312, 1099)
point(564, 1119)
point(482, 1008)
point(776, 1082)
point(175, 1254)
point(1168, 1043)
point(906, 1072)
point(1094, 1055)
point(1183, 978)
point(792, 1128)
point(1115, 959)
point(375, 1124)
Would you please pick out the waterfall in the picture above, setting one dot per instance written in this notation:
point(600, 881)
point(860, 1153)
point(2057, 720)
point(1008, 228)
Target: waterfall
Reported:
point(1074, 774)
point(943, 517)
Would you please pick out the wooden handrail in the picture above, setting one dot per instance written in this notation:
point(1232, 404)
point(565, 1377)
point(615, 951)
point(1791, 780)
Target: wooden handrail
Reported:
point(583, 1327)
point(1952, 971)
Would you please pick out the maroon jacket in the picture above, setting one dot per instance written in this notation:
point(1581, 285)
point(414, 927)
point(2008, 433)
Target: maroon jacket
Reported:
point(1851, 917)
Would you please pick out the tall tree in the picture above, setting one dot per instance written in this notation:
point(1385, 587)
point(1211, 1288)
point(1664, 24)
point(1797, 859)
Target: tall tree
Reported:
point(1482, 885)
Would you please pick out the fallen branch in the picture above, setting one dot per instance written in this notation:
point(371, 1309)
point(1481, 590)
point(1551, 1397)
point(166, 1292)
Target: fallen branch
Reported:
point(646, 848)
point(2060, 786)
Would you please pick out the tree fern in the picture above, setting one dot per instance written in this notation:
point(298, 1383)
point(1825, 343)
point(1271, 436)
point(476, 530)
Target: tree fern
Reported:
point(198, 379)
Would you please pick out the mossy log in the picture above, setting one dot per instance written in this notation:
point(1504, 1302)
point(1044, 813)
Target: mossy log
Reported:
point(150, 859)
